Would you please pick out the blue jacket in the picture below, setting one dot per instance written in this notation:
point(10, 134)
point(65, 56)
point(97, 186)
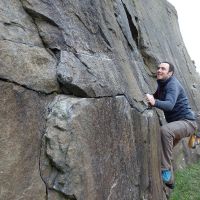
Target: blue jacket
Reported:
point(171, 98)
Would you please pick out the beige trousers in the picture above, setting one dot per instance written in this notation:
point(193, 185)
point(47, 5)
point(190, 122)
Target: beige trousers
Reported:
point(171, 133)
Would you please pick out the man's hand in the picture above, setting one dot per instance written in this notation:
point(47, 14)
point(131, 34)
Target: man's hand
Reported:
point(150, 99)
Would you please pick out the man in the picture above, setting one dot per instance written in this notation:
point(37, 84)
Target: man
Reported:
point(171, 98)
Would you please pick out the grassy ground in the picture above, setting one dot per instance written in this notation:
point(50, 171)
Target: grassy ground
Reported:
point(187, 186)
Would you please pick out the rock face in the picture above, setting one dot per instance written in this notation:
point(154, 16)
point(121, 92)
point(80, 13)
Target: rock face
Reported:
point(93, 150)
point(22, 123)
point(74, 123)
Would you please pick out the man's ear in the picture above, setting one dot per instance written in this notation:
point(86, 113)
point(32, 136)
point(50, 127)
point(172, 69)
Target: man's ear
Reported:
point(170, 73)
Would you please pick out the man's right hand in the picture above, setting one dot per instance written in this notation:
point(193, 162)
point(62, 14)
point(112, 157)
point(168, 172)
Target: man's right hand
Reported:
point(150, 99)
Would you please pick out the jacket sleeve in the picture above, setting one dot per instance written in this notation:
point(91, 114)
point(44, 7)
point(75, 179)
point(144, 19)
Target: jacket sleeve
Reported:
point(170, 98)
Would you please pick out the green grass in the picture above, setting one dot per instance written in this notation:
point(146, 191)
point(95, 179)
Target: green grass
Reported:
point(187, 183)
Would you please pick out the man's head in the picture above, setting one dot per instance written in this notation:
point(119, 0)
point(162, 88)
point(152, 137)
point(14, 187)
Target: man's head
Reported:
point(164, 71)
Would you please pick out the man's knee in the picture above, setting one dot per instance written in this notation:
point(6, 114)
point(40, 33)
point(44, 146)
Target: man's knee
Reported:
point(165, 131)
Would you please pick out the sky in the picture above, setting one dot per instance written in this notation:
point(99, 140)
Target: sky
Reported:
point(188, 18)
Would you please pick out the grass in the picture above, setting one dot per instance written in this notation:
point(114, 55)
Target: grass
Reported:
point(187, 185)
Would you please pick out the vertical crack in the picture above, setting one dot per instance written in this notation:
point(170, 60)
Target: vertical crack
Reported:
point(104, 37)
point(30, 13)
point(33, 15)
point(133, 28)
point(40, 154)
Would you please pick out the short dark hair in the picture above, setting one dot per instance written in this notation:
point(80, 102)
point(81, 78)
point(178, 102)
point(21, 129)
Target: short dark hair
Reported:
point(171, 66)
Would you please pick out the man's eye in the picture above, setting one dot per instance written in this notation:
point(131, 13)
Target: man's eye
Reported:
point(162, 68)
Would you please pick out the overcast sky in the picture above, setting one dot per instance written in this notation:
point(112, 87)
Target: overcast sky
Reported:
point(188, 18)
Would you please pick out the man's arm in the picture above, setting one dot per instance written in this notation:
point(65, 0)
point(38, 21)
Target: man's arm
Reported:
point(170, 99)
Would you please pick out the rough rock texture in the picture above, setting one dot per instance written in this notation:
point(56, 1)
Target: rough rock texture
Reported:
point(93, 150)
point(73, 119)
point(22, 124)
point(23, 58)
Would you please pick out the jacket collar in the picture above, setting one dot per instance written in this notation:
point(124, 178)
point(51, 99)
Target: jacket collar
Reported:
point(164, 82)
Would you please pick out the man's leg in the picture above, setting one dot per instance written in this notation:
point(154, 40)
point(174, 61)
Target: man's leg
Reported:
point(171, 132)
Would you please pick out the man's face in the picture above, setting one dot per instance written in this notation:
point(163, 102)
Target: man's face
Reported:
point(163, 71)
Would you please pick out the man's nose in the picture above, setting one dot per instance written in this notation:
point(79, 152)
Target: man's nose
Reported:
point(158, 70)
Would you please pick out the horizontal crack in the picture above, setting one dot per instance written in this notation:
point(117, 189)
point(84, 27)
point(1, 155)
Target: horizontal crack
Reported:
point(17, 42)
point(16, 24)
point(79, 96)
point(145, 107)
point(26, 87)
point(107, 96)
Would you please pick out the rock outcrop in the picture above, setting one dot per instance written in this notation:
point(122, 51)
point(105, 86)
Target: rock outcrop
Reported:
point(74, 122)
